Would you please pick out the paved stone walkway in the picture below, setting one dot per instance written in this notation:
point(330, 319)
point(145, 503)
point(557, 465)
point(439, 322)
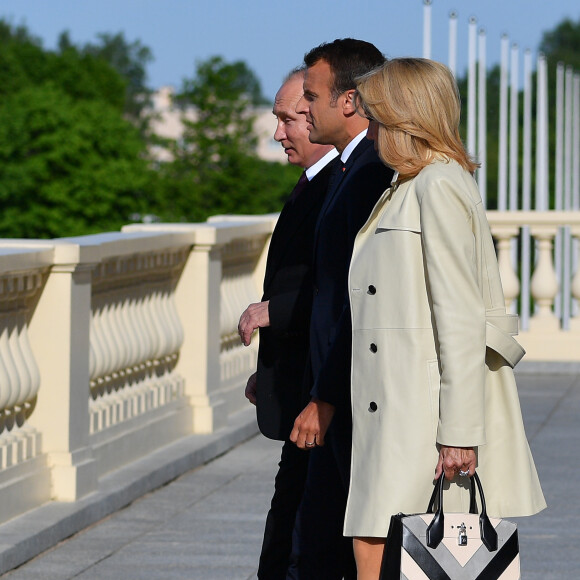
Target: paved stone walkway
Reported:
point(208, 523)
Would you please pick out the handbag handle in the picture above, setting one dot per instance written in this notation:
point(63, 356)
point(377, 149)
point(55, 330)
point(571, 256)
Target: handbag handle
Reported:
point(435, 529)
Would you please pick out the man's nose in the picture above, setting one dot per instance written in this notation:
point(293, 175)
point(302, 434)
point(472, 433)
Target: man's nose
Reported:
point(279, 134)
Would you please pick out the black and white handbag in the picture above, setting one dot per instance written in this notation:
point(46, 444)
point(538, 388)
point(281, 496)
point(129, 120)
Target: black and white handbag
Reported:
point(451, 546)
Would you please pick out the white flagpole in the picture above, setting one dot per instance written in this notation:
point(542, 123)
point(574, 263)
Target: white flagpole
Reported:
point(427, 28)
point(453, 42)
point(482, 118)
point(471, 90)
point(503, 126)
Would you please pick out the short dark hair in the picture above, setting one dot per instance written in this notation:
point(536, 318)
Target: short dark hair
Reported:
point(348, 59)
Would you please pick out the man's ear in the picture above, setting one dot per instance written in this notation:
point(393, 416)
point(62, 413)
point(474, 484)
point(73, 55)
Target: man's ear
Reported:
point(349, 106)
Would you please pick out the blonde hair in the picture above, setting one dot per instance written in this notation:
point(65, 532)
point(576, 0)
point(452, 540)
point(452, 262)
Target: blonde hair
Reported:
point(416, 103)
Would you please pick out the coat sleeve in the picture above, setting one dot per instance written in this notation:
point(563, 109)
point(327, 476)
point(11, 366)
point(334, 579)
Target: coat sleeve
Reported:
point(290, 311)
point(333, 382)
point(450, 256)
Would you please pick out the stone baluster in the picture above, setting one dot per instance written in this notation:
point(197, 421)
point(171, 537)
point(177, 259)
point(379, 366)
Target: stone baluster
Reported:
point(19, 375)
point(544, 282)
point(504, 234)
point(136, 336)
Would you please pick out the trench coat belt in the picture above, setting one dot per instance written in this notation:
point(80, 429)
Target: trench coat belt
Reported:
point(499, 336)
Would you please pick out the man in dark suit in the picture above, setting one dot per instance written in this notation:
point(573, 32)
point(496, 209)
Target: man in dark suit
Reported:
point(283, 317)
point(325, 425)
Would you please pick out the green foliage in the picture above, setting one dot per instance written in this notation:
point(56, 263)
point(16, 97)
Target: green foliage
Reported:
point(24, 63)
point(220, 96)
point(70, 164)
point(129, 59)
point(562, 44)
point(249, 186)
point(215, 169)
point(9, 33)
point(67, 167)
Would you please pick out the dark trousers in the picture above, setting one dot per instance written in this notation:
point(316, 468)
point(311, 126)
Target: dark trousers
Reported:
point(319, 550)
point(289, 486)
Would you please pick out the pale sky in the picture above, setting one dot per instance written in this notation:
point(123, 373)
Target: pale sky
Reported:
point(272, 36)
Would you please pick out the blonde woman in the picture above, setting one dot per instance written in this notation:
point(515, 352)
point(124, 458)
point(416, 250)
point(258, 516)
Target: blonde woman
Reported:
point(433, 349)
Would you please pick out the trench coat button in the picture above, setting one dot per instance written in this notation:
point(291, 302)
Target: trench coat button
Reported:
point(373, 347)
point(373, 407)
point(372, 290)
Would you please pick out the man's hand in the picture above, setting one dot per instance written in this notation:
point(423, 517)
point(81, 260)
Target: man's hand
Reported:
point(311, 425)
point(254, 316)
point(452, 460)
point(250, 391)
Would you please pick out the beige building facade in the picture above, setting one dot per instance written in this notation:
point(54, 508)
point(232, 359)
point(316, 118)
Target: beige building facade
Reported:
point(167, 123)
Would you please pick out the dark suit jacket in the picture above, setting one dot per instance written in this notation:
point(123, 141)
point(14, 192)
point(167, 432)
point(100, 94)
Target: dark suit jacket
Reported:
point(350, 199)
point(283, 350)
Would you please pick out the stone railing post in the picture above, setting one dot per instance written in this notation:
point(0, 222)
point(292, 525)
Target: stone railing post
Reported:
point(59, 337)
point(544, 282)
point(197, 297)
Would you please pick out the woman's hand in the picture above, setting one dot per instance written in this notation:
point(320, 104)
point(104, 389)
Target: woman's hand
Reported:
point(453, 460)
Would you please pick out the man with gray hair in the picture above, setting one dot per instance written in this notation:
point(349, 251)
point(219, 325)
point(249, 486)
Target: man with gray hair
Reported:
point(283, 317)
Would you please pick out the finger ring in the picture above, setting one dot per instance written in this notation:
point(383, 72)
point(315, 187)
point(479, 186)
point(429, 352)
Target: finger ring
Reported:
point(463, 473)
point(310, 444)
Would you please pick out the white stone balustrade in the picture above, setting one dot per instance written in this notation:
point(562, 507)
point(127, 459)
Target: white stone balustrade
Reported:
point(223, 275)
point(545, 339)
point(114, 345)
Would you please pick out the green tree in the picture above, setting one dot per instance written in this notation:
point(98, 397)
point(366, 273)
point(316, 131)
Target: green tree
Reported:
point(70, 163)
point(67, 167)
point(562, 44)
point(24, 63)
point(9, 34)
point(129, 59)
point(221, 95)
point(215, 168)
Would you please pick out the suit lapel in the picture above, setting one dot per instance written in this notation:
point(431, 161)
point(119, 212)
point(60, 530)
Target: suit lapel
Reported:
point(291, 218)
point(338, 178)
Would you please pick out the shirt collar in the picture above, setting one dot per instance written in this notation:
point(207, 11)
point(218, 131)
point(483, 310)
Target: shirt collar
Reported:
point(351, 146)
point(320, 164)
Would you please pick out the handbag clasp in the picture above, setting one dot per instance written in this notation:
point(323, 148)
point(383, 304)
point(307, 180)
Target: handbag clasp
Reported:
point(462, 539)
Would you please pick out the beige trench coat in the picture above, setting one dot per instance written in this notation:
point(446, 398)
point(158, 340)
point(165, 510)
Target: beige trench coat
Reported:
point(426, 301)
